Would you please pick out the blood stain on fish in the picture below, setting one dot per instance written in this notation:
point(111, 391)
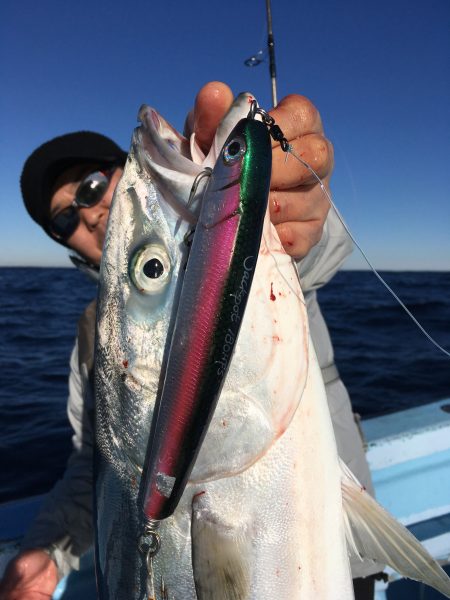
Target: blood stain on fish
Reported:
point(272, 295)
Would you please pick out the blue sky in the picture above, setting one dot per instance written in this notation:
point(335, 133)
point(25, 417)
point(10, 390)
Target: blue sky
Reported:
point(378, 72)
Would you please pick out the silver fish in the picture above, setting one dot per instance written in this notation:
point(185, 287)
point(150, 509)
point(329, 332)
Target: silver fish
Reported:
point(269, 510)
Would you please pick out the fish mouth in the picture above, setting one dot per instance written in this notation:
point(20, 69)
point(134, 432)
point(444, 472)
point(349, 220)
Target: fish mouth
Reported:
point(172, 161)
point(164, 155)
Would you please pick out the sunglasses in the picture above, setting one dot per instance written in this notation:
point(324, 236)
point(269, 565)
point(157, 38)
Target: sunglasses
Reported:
point(89, 193)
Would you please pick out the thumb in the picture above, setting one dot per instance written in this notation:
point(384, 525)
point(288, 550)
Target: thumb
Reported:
point(211, 104)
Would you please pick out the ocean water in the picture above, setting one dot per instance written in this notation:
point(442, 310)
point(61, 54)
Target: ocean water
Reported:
point(386, 363)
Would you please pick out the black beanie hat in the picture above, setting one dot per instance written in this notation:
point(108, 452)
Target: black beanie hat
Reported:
point(47, 162)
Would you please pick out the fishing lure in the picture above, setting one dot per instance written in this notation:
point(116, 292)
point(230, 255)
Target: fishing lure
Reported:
point(212, 302)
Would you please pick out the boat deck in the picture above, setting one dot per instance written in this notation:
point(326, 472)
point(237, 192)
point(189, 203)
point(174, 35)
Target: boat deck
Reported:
point(409, 456)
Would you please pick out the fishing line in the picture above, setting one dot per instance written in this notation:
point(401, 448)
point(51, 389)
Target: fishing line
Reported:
point(290, 150)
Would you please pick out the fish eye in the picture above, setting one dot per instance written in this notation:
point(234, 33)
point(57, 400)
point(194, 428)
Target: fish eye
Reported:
point(153, 268)
point(234, 150)
point(150, 269)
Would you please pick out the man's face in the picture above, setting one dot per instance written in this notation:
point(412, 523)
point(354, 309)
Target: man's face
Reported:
point(88, 237)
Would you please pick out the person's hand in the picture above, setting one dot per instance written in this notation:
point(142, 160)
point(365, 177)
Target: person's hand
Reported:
point(31, 575)
point(298, 207)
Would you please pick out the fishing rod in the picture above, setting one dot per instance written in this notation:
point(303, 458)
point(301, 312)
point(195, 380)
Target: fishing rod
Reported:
point(271, 48)
point(258, 58)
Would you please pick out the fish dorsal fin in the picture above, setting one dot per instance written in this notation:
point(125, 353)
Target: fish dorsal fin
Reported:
point(373, 534)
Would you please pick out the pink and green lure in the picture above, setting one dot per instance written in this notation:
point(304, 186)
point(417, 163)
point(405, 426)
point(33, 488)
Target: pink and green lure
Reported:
point(215, 289)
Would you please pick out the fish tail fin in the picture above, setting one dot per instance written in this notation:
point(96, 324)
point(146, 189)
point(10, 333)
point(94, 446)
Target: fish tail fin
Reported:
point(372, 533)
point(219, 559)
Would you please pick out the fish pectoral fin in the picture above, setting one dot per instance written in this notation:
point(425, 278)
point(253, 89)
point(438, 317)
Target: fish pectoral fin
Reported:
point(372, 533)
point(220, 559)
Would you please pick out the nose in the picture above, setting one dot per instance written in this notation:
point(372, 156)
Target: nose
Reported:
point(94, 214)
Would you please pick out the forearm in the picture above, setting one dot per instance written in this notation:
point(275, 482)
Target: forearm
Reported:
point(64, 523)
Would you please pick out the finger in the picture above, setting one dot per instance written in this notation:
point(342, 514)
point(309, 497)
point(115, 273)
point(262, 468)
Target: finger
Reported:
point(32, 575)
point(288, 172)
point(188, 128)
point(25, 594)
point(298, 238)
point(298, 204)
point(296, 116)
point(211, 104)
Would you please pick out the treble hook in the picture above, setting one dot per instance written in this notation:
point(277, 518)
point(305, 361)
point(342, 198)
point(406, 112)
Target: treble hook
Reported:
point(206, 172)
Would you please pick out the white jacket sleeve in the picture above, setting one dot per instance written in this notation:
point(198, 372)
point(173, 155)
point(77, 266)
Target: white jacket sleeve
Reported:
point(325, 258)
point(64, 523)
